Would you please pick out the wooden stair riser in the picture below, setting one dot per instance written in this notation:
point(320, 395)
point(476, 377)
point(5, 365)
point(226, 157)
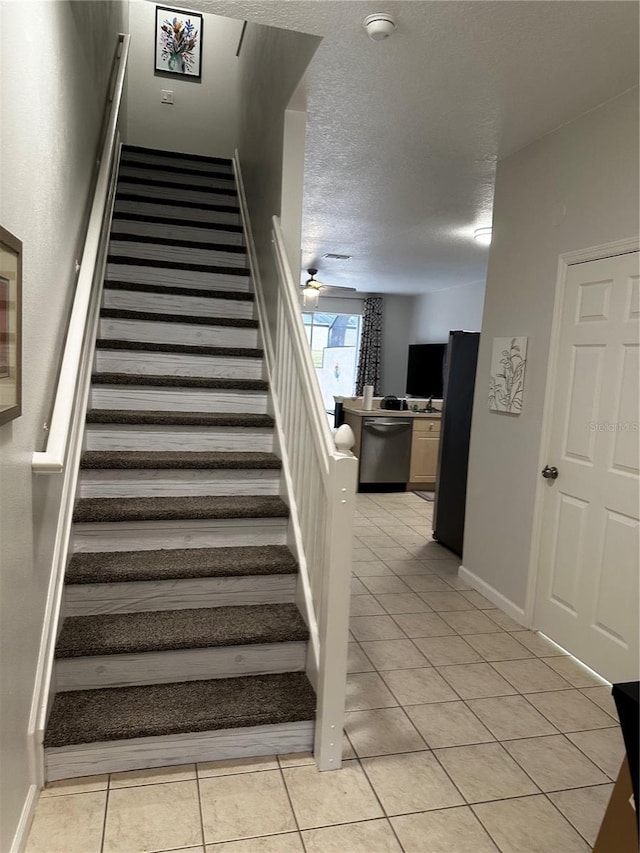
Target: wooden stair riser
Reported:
point(136, 398)
point(178, 594)
point(130, 157)
point(169, 252)
point(229, 439)
point(95, 672)
point(170, 303)
point(122, 271)
point(175, 177)
point(185, 214)
point(172, 231)
point(177, 333)
point(206, 533)
point(178, 364)
point(166, 195)
point(69, 762)
point(166, 483)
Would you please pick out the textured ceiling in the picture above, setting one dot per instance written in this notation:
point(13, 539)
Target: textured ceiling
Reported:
point(403, 135)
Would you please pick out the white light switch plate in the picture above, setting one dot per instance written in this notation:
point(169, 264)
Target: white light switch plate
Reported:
point(166, 96)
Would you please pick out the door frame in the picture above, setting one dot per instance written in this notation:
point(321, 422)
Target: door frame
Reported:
point(566, 260)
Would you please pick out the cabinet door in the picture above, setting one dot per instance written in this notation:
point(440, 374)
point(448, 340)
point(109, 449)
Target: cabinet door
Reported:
point(424, 452)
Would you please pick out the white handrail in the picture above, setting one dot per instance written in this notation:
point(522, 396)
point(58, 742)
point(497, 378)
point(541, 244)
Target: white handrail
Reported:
point(52, 460)
point(289, 294)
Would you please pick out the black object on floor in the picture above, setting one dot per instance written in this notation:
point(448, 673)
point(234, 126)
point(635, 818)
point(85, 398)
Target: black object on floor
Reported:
point(426, 496)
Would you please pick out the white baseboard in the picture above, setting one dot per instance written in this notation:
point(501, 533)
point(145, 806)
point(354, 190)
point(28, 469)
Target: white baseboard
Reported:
point(493, 595)
point(26, 818)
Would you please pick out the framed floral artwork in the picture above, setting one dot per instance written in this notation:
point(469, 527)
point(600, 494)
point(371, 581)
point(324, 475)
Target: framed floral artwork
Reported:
point(508, 365)
point(10, 326)
point(178, 48)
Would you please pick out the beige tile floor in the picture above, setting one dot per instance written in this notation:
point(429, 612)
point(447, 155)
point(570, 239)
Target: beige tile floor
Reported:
point(464, 734)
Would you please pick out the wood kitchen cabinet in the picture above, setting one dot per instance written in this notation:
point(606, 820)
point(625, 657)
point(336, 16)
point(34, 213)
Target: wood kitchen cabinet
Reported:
point(425, 443)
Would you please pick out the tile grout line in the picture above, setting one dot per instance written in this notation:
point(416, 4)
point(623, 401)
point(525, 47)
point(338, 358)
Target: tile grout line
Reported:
point(104, 820)
point(379, 801)
point(200, 811)
point(290, 801)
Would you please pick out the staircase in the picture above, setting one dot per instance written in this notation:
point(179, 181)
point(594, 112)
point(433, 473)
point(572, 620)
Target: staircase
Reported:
point(181, 639)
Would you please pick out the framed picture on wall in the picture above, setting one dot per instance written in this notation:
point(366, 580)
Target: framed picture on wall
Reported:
point(178, 46)
point(10, 326)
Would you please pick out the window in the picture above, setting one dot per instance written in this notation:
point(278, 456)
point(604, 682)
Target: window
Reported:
point(335, 341)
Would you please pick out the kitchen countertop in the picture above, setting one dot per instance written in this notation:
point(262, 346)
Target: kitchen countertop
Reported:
point(391, 413)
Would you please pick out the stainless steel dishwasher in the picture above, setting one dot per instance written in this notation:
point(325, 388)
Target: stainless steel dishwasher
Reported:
point(385, 450)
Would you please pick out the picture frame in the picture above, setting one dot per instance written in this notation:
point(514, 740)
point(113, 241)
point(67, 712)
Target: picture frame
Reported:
point(10, 326)
point(178, 43)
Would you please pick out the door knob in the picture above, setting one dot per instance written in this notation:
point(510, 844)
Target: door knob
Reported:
point(550, 472)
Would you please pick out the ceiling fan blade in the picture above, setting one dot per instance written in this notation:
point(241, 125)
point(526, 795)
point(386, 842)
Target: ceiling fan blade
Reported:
point(329, 287)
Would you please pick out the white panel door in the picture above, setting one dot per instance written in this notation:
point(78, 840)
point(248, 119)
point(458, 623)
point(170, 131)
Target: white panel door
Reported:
point(587, 597)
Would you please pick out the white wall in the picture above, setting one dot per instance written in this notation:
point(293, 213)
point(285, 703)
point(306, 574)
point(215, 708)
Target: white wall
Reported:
point(272, 62)
point(203, 118)
point(397, 312)
point(575, 188)
point(436, 314)
point(53, 84)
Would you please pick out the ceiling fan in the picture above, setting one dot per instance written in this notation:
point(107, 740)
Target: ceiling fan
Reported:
point(311, 289)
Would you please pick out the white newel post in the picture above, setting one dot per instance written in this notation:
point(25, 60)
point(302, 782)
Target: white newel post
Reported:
point(334, 608)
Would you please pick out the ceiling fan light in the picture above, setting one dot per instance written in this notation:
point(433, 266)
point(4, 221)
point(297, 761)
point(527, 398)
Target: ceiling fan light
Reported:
point(483, 235)
point(310, 295)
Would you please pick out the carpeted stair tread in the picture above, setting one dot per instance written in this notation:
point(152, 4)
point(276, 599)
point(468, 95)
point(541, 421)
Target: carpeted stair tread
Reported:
point(179, 563)
point(172, 381)
point(176, 290)
point(180, 349)
point(90, 716)
point(148, 181)
point(174, 460)
point(168, 202)
point(175, 170)
point(179, 508)
point(156, 219)
point(165, 630)
point(126, 314)
point(152, 240)
point(218, 269)
point(157, 152)
point(162, 418)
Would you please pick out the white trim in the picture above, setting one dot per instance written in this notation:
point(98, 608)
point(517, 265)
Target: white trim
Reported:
point(66, 447)
point(26, 819)
point(252, 257)
point(493, 595)
point(592, 253)
point(52, 460)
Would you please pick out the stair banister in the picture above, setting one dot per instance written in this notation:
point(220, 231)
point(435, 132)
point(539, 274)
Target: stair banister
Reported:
point(52, 459)
point(321, 473)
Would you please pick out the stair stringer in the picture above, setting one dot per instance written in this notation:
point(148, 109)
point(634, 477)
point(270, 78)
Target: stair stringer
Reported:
point(304, 598)
point(44, 686)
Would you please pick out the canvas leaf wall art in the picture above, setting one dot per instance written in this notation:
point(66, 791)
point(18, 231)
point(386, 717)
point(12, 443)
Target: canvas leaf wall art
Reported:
point(508, 365)
point(178, 43)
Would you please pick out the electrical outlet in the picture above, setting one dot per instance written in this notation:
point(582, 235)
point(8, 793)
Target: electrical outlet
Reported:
point(166, 96)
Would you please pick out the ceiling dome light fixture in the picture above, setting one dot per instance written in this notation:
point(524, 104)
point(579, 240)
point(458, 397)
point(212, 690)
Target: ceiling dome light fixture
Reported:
point(379, 26)
point(483, 235)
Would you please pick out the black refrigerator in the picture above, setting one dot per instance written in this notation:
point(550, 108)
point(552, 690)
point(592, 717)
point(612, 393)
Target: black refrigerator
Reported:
point(451, 483)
